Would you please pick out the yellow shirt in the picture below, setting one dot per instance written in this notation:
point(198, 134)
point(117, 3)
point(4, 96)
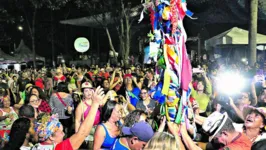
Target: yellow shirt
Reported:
point(204, 98)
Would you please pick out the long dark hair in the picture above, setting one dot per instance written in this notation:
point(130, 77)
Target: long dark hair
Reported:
point(107, 110)
point(41, 93)
point(62, 87)
point(18, 134)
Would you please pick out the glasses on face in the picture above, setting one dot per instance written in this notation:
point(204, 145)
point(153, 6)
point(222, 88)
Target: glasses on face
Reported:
point(35, 101)
point(143, 93)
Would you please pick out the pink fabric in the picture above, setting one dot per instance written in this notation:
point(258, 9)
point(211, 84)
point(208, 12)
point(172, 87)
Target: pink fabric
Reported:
point(186, 73)
point(97, 117)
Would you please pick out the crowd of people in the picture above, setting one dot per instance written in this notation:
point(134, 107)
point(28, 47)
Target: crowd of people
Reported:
point(113, 107)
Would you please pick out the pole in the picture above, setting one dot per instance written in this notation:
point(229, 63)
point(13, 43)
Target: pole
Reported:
point(252, 36)
point(199, 51)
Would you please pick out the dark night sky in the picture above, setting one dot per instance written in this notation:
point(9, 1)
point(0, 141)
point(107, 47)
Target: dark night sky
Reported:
point(65, 35)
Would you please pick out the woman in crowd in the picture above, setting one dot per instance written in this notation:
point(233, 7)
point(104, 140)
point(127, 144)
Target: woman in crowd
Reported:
point(130, 89)
point(44, 106)
point(51, 132)
point(79, 77)
point(116, 80)
point(8, 115)
point(106, 85)
point(72, 87)
point(106, 133)
point(202, 94)
point(255, 122)
point(35, 102)
point(163, 140)
point(19, 137)
point(62, 104)
point(59, 77)
point(146, 103)
point(83, 110)
point(14, 85)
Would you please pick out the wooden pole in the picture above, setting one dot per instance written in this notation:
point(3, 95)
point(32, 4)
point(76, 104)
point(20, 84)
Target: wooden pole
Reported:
point(252, 38)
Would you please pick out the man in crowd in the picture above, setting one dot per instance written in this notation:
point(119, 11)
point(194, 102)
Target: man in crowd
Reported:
point(135, 137)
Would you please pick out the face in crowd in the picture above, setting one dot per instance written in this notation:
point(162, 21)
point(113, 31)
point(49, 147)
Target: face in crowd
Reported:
point(200, 86)
point(88, 93)
point(144, 94)
point(35, 102)
point(254, 120)
point(244, 99)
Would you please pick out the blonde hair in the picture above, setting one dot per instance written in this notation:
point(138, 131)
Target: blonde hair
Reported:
point(162, 141)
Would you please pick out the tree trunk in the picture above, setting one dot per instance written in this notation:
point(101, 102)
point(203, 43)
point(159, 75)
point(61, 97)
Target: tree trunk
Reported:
point(52, 35)
point(110, 39)
point(127, 41)
point(33, 37)
point(253, 31)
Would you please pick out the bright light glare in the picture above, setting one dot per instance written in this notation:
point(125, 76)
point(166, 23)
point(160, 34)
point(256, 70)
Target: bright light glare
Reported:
point(230, 83)
point(244, 59)
point(20, 28)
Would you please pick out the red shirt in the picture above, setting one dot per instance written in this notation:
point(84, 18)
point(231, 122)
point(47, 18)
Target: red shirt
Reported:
point(64, 145)
point(45, 107)
point(105, 75)
point(241, 142)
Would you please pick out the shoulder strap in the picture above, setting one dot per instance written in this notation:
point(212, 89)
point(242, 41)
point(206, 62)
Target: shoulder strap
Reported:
point(106, 131)
point(82, 107)
point(61, 100)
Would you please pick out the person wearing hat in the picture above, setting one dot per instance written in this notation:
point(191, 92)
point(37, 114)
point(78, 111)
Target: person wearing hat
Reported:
point(221, 130)
point(83, 109)
point(136, 137)
point(254, 124)
point(50, 130)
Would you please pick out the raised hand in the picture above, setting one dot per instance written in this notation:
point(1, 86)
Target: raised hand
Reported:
point(98, 95)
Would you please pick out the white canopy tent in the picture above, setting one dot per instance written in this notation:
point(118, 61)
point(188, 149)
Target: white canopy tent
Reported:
point(234, 36)
point(6, 59)
point(24, 54)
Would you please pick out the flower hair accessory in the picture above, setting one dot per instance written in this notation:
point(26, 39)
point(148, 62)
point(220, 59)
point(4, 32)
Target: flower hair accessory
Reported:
point(46, 125)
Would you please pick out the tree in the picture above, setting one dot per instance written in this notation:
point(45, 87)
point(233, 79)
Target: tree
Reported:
point(119, 14)
point(30, 16)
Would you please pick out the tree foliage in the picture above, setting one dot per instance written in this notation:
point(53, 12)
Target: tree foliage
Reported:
point(113, 14)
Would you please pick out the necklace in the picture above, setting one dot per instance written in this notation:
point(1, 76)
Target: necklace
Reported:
point(252, 139)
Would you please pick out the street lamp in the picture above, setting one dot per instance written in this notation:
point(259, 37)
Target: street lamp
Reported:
point(20, 28)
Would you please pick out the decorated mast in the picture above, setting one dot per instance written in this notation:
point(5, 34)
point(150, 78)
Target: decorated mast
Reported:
point(167, 40)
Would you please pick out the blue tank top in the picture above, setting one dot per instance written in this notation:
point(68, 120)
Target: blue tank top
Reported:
point(108, 141)
point(119, 146)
